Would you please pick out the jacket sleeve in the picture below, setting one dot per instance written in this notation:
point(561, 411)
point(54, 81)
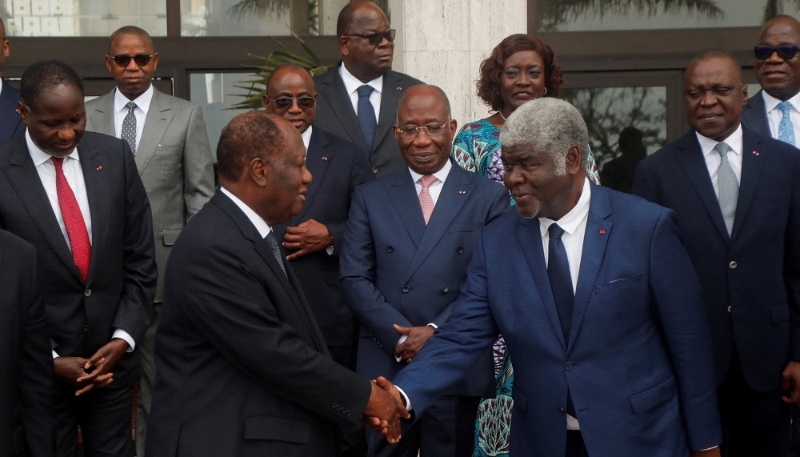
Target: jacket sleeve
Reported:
point(198, 168)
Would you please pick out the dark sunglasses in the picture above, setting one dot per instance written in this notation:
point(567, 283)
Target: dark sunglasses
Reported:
point(785, 52)
point(376, 38)
point(286, 102)
point(141, 59)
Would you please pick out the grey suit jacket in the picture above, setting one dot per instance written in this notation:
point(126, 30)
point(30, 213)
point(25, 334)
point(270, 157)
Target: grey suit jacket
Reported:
point(174, 161)
point(335, 114)
point(754, 115)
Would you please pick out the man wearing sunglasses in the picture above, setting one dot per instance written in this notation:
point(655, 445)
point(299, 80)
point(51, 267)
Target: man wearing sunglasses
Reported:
point(168, 138)
point(10, 120)
point(358, 98)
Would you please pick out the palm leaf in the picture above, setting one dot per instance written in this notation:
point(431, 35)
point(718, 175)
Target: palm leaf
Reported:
point(555, 12)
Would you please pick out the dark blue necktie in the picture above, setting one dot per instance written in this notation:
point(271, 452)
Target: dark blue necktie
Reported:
point(560, 279)
point(366, 114)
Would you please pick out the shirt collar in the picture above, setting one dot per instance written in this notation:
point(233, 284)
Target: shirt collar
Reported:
point(307, 136)
point(39, 157)
point(734, 141)
point(771, 102)
point(572, 220)
point(441, 175)
point(260, 225)
point(142, 101)
point(351, 83)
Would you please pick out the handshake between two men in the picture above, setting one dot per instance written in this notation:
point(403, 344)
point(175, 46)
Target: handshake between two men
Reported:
point(384, 410)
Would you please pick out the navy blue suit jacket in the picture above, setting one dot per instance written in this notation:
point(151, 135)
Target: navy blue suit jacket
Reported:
point(397, 270)
point(337, 167)
point(10, 120)
point(751, 278)
point(638, 362)
point(754, 115)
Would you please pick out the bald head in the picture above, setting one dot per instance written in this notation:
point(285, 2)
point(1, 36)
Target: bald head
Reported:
point(779, 72)
point(423, 90)
point(731, 65)
point(355, 12)
point(247, 136)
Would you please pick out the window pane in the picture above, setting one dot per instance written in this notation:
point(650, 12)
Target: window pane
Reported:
point(82, 17)
point(213, 91)
point(630, 121)
point(563, 16)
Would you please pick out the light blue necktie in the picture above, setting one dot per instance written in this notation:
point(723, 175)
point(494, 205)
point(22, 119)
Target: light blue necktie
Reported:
point(786, 128)
point(727, 185)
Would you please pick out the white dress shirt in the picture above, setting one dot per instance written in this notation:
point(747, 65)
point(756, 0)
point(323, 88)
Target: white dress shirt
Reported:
point(351, 85)
point(74, 176)
point(306, 136)
point(260, 224)
point(774, 115)
point(713, 159)
point(140, 113)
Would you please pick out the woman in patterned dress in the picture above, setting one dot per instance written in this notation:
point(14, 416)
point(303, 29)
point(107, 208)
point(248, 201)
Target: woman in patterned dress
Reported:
point(519, 69)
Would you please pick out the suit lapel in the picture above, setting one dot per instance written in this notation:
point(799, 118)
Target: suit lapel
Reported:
point(337, 97)
point(158, 119)
point(404, 197)
point(455, 192)
point(694, 165)
point(8, 105)
point(389, 99)
point(529, 237)
point(317, 164)
point(755, 112)
point(22, 175)
point(598, 230)
point(752, 165)
point(97, 191)
point(102, 116)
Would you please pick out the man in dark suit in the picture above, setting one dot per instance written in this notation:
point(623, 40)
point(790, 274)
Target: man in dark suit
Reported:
point(173, 157)
point(242, 368)
point(408, 241)
point(314, 237)
point(597, 301)
point(26, 380)
point(737, 198)
point(358, 97)
point(78, 199)
point(10, 121)
point(775, 110)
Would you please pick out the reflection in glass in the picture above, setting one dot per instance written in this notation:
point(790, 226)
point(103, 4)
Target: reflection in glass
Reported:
point(213, 92)
point(566, 16)
point(608, 111)
point(82, 17)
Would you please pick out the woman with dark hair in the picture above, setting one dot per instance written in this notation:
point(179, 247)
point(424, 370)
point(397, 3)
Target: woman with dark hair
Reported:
point(519, 69)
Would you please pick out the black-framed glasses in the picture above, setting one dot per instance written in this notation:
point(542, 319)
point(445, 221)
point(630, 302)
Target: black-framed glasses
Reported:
point(286, 102)
point(409, 133)
point(141, 59)
point(785, 52)
point(376, 38)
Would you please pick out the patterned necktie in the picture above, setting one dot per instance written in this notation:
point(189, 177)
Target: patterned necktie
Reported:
point(786, 128)
point(366, 114)
point(727, 186)
point(272, 242)
point(73, 221)
point(129, 127)
point(425, 199)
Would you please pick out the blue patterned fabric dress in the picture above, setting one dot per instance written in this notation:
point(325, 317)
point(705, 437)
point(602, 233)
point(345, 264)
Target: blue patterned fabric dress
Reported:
point(477, 148)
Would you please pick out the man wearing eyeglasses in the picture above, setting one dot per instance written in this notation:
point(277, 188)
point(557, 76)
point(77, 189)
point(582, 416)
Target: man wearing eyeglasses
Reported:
point(10, 120)
point(358, 98)
point(406, 248)
point(168, 138)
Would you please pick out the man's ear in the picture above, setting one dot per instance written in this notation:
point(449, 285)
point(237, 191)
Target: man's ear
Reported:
point(573, 159)
point(260, 171)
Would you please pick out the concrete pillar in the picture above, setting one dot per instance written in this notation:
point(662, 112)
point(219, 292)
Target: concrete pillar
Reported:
point(328, 14)
point(443, 42)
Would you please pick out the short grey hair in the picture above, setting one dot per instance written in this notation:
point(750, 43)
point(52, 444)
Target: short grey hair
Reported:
point(547, 125)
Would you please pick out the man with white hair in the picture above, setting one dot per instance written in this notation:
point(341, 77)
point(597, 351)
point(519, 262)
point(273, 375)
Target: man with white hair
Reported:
point(597, 300)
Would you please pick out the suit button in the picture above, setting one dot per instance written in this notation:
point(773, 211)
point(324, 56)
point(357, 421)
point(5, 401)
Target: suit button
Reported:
point(445, 289)
point(389, 249)
point(561, 410)
point(733, 264)
point(86, 329)
point(405, 289)
point(460, 250)
point(729, 309)
point(87, 292)
point(568, 366)
point(375, 170)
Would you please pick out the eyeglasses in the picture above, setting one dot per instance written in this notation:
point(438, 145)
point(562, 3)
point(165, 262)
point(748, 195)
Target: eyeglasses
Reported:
point(141, 59)
point(376, 38)
point(785, 52)
point(286, 102)
point(409, 133)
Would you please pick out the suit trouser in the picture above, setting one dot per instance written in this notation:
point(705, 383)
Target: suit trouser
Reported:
point(104, 416)
point(446, 429)
point(754, 424)
point(146, 383)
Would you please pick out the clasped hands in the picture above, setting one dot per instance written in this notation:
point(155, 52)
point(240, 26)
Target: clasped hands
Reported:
point(306, 238)
point(92, 373)
point(384, 409)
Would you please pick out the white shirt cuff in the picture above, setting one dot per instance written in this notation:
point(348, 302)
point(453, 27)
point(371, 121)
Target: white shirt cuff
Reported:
point(55, 355)
point(329, 250)
point(405, 398)
point(123, 335)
